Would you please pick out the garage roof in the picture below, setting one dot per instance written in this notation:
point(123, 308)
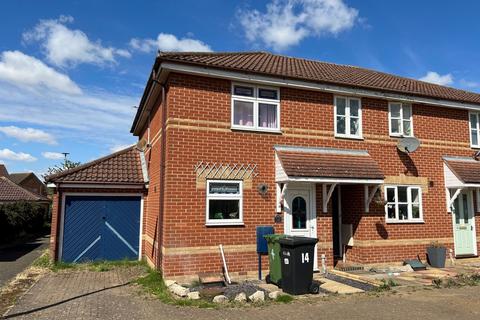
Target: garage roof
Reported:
point(122, 167)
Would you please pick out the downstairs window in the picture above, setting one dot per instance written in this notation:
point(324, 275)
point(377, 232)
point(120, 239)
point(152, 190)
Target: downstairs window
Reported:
point(404, 204)
point(224, 202)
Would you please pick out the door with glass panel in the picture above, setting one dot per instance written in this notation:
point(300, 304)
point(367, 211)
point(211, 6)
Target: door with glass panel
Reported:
point(464, 225)
point(300, 216)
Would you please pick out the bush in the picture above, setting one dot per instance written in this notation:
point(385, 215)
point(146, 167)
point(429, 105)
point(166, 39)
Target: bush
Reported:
point(19, 219)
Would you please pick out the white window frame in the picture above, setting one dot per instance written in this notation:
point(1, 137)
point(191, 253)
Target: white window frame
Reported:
point(409, 203)
point(401, 133)
point(256, 101)
point(348, 116)
point(477, 115)
point(239, 197)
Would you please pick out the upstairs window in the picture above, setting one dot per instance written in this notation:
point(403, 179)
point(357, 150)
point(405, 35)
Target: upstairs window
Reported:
point(400, 118)
point(255, 108)
point(224, 202)
point(348, 117)
point(474, 129)
point(404, 204)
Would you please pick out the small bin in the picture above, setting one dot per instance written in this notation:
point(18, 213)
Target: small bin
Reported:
point(275, 275)
point(297, 255)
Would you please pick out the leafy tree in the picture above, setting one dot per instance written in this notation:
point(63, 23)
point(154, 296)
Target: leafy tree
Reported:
point(65, 165)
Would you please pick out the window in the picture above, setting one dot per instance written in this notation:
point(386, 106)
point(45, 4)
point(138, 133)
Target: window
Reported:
point(404, 204)
point(348, 117)
point(474, 129)
point(224, 202)
point(400, 117)
point(299, 213)
point(255, 108)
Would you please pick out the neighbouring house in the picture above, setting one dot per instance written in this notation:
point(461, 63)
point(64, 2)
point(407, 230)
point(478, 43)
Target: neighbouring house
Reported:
point(231, 141)
point(11, 191)
point(29, 181)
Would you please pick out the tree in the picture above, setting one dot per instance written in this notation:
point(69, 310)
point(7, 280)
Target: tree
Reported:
point(65, 165)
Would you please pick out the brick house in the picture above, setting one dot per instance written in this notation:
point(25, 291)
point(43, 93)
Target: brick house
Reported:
point(231, 141)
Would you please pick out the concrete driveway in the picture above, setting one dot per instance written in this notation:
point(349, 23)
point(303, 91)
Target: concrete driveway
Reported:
point(109, 295)
point(14, 259)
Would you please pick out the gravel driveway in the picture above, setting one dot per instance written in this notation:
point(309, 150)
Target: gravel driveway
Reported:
point(108, 295)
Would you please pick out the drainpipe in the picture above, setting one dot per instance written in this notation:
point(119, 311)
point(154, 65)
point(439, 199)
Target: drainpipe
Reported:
point(163, 143)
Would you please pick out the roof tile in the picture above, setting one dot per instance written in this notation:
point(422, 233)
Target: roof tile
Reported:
point(466, 170)
point(10, 191)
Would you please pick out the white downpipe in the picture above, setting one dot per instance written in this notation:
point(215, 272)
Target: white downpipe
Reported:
point(227, 277)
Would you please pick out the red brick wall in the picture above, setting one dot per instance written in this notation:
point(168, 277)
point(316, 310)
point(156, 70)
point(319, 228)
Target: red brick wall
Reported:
point(198, 130)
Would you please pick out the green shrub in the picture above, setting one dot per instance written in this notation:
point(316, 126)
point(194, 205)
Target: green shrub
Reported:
point(18, 219)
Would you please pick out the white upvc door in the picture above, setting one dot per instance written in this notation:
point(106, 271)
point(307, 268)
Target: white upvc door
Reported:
point(300, 213)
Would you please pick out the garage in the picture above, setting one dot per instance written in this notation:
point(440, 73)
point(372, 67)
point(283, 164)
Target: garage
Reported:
point(97, 209)
point(101, 228)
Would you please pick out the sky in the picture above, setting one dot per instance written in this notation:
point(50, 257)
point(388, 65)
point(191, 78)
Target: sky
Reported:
point(72, 72)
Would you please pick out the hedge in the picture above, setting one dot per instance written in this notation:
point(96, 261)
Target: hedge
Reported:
point(20, 219)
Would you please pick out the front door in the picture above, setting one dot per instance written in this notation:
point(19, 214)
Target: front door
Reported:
point(300, 215)
point(464, 225)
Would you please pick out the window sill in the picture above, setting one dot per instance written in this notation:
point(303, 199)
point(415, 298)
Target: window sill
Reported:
point(224, 224)
point(274, 131)
point(405, 222)
point(340, 136)
point(392, 135)
point(475, 147)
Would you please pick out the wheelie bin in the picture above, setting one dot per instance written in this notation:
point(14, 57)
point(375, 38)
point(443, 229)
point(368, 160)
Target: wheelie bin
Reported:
point(275, 275)
point(297, 255)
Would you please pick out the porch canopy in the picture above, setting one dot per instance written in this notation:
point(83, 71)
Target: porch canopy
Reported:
point(329, 167)
point(461, 173)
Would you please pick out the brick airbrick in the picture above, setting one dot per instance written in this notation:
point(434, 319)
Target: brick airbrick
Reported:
point(304, 164)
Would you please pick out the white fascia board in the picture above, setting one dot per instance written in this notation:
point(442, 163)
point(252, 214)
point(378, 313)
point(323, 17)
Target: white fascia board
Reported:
point(333, 180)
point(282, 82)
point(100, 186)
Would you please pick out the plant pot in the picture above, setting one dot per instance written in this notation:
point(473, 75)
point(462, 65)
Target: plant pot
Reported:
point(437, 256)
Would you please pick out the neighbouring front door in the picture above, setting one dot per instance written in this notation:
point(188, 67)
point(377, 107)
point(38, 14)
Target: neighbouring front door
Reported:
point(300, 216)
point(464, 225)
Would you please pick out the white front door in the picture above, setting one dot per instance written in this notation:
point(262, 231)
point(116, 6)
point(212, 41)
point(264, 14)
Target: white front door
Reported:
point(464, 225)
point(300, 214)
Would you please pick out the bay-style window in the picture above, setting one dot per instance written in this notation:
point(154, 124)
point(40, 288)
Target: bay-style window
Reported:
point(400, 119)
point(348, 117)
point(474, 129)
point(255, 108)
point(224, 202)
point(404, 204)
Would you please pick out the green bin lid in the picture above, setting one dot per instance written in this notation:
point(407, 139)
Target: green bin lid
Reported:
point(274, 237)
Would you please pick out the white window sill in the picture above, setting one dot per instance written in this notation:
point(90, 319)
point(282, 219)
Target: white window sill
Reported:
point(224, 224)
point(475, 147)
point(253, 129)
point(405, 221)
point(396, 135)
point(341, 136)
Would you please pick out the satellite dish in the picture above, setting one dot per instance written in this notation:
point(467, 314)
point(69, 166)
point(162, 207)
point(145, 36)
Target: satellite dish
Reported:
point(141, 145)
point(408, 144)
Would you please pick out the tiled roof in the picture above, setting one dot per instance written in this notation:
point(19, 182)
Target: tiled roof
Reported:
point(10, 191)
point(122, 167)
point(19, 177)
point(329, 164)
point(269, 64)
point(466, 170)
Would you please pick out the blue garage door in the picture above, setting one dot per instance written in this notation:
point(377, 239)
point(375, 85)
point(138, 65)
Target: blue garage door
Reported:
point(101, 228)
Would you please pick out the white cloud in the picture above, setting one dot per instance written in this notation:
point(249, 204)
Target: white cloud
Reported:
point(26, 71)
point(67, 47)
point(287, 22)
point(436, 78)
point(52, 155)
point(469, 84)
point(169, 42)
point(119, 147)
point(7, 154)
point(29, 134)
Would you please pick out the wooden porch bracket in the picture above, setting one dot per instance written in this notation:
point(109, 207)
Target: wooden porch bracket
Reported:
point(451, 200)
point(327, 195)
point(369, 194)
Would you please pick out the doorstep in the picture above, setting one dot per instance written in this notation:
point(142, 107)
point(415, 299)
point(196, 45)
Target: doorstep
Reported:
point(334, 286)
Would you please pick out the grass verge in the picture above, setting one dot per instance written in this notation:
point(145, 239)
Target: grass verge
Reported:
point(154, 284)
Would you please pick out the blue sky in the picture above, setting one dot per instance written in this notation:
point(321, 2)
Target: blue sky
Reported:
point(72, 71)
